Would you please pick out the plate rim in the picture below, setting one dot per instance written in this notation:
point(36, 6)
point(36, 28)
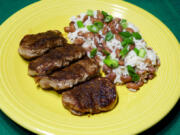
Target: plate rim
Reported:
point(31, 128)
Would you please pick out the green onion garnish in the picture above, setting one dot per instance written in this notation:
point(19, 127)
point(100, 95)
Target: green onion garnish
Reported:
point(108, 18)
point(124, 51)
point(93, 28)
point(112, 63)
point(136, 35)
point(90, 12)
point(99, 25)
point(104, 13)
point(132, 73)
point(109, 36)
point(80, 24)
point(105, 52)
point(136, 51)
point(123, 23)
point(124, 43)
point(93, 52)
point(125, 34)
point(142, 52)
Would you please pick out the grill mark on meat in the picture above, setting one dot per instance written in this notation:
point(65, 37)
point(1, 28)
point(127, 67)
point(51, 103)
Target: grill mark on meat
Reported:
point(55, 58)
point(94, 96)
point(34, 45)
point(80, 71)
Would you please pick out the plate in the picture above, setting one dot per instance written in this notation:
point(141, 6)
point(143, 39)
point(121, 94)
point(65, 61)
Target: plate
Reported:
point(42, 111)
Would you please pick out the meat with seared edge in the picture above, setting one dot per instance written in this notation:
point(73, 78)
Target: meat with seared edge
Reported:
point(34, 45)
point(66, 78)
point(55, 58)
point(94, 96)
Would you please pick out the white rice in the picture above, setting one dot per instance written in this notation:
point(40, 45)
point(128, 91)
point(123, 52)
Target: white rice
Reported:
point(130, 59)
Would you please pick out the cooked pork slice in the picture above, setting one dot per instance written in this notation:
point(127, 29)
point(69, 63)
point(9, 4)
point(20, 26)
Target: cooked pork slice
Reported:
point(94, 96)
point(68, 77)
point(55, 58)
point(34, 45)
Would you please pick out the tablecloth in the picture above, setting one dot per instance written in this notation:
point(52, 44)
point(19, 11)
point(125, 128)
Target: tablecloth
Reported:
point(168, 11)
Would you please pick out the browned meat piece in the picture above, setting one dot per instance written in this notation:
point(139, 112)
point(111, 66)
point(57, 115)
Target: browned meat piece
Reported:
point(94, 96)
point(34, 45)
point(68, 77)
point(55, 58)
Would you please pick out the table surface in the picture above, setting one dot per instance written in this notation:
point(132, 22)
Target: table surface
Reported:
point(168, 11)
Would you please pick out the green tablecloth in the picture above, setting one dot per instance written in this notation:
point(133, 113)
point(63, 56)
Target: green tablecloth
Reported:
point(168, 11)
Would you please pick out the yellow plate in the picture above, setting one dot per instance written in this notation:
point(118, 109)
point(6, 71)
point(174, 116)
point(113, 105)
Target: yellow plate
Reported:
point(42, 112)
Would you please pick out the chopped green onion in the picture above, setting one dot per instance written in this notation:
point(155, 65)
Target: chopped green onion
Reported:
point(105, 52)
point(136, 51)
point(93, 52)
point(108, 18)
point(90, 12)
point(99, 25)
point(109, 36)
point(125, 34)
point(136, 35)
point(124, 43)
point(104, 13)
point(80, 24)
point(123, 23)
point(112, 63)
point(142, 52)
point(132, 73)
point(93, 28)
point(124, 51)
point(129, 40)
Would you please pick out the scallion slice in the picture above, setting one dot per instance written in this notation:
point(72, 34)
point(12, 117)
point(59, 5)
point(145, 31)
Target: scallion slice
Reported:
point(80, 24)
point(132, 73)
point(108, 18)
point(136, 51)
point(93, 28)
point(90, 12)
point(142, 52)
point(112, 63)
point(124, 51)
point(99, 25)
point(109, 36)
point(123, 23)
point(104, 13)
point(93, 52)
point(137, 35)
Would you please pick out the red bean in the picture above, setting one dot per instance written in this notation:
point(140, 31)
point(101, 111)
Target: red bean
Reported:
point(78, 41)
point(121, 62)
point(126, 78)
point(130, 30)
point(80, 33)
point(141, 72)
point(148, 61)
point(118, 37)
point(151, 76)
point(111, 76)
point(67, 29)
point(119, 29)
point(132, 86)
point(105, 30)
point(105, 47)
point(96, 42)
point(140, 83)
point(131, 47)
point(151, 69)
point(85, 18)
point(106, 69)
